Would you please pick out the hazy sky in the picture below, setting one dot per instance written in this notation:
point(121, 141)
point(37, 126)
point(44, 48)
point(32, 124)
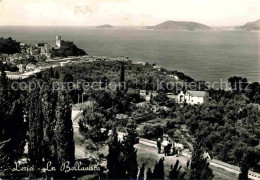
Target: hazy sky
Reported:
point(127, 12)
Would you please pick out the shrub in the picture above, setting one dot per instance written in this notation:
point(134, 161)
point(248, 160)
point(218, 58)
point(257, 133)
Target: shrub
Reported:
point(151, 132)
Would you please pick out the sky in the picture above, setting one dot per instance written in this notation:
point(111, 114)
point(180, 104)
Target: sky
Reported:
point(126, 12)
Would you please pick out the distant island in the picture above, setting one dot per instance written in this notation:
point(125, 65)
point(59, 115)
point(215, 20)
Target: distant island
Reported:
point(179, 25)
point(250, 26)
point(106, 26)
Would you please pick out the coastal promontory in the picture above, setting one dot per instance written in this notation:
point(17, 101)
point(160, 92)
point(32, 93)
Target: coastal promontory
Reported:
point(250, 26)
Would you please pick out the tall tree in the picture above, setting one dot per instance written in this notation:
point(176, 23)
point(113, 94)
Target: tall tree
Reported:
point(12, 125)
point(141, 172)
point(244, 166)
point(35, 117)
point(122, 157)
point(51, 73)
point(49, 143)
point(149, 174)
point(115, 165)
point(3, 84)
point(199, 165)
point(122, 72)
point(158, 172)
point(56, 75)
point(130, 152)
point(175, 172)
point(64, 131)
point(13, 135)
point(207, 173)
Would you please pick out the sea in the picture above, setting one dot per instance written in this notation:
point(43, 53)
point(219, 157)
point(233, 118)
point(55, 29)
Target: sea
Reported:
point(211, 56)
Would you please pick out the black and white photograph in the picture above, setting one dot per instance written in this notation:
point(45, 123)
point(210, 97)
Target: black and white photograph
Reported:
point(130, 89)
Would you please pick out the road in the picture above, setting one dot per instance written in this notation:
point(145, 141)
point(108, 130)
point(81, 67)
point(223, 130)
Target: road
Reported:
point(149, 156)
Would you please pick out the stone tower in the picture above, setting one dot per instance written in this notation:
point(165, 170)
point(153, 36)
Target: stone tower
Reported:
point(58, 41)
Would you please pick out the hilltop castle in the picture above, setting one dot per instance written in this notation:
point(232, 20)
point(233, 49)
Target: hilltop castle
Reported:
point(63, 44)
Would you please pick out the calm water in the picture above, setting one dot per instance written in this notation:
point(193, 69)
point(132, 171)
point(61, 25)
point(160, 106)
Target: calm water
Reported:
point(208, 55)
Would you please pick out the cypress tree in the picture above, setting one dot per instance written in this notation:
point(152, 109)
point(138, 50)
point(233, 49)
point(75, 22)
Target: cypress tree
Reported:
point(50, 132)
point(158, 172)
point(207, 173)
point(12, 125)
point(51, 73)
point(175, 172)
point(3, 85)
point(199, 165)
point(13, 134)
point(122, 72)
point(149, 174)
point(57, 75)
point(244, 166)
point(4, 139)
point(64, 131)
point(130, 152)
point(35, 133)
point(122, 158)
point(141, 172)
point(115, 165)
point(49, 144)
point(16, 128)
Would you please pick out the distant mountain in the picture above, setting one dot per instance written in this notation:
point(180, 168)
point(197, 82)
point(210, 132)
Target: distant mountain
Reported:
point(250, 26)
point(179, 25)
point(106, 26)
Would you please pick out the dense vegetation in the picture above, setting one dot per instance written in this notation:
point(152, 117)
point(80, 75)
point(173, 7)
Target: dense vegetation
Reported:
point(227, 124)
point(136, 76)
point(9, 46)
point(12, 126)
point(40, 117)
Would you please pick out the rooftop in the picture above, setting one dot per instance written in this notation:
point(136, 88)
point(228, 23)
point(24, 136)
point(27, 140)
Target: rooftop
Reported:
point(196, 93)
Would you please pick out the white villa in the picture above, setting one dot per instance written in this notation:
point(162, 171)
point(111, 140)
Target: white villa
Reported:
point(193, 97)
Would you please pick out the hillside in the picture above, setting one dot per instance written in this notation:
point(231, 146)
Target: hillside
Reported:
point(106, 26)
point(250, 26)
point(179, 25)
point(9, 46)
